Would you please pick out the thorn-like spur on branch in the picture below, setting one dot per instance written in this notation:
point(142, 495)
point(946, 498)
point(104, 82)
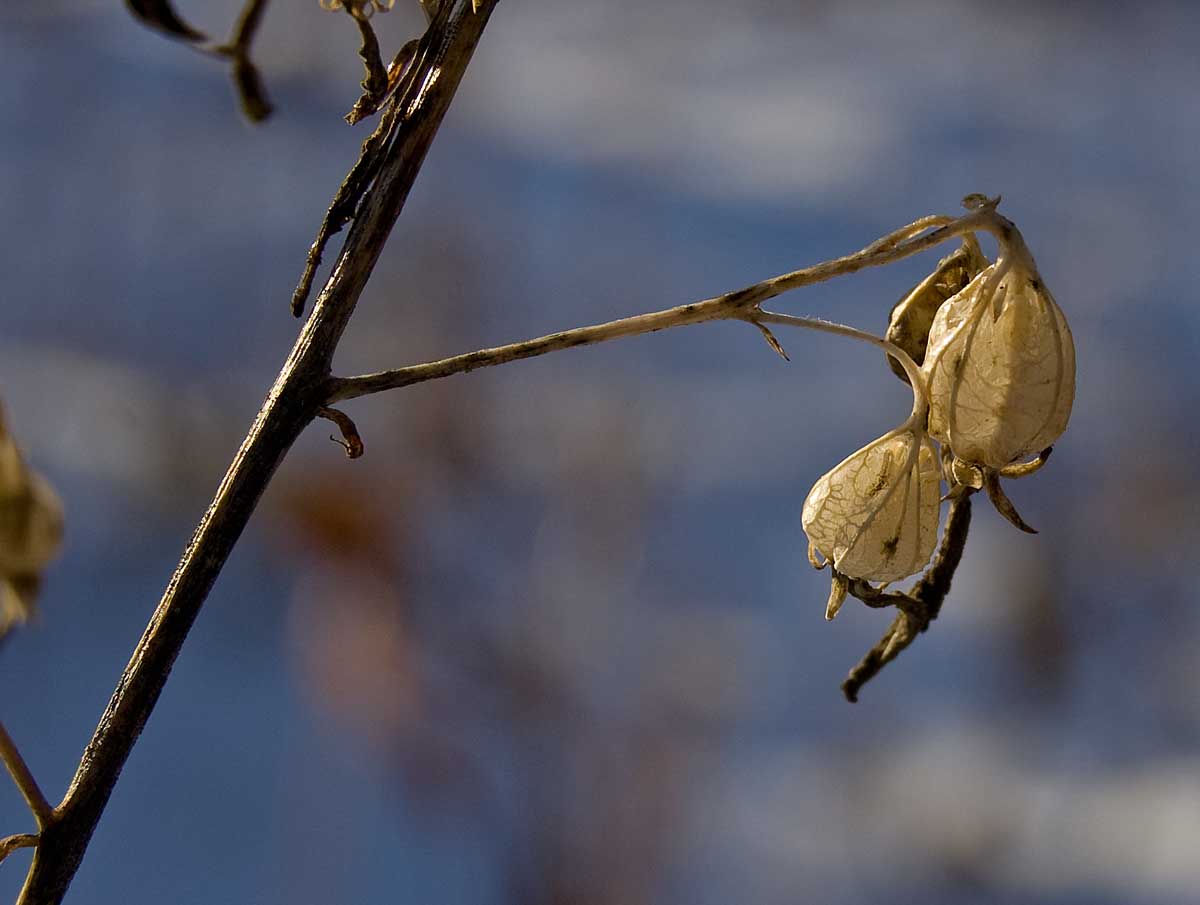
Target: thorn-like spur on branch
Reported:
point(351, 441)
point(160, 16)
point(920, 606)
point(771, 340)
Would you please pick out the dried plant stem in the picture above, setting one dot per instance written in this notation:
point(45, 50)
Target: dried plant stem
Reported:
point(291, 404)
point(19, 771)
point(741, 304)
point(920, 606)
point(372, 197)
point(10, 844)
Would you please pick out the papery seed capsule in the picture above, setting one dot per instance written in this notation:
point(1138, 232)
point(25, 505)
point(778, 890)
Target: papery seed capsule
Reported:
point(1001, 368)
point(875, 515)
point(912, 317)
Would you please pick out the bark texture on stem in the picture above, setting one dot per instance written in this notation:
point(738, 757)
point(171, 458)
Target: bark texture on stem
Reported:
point(299, 391)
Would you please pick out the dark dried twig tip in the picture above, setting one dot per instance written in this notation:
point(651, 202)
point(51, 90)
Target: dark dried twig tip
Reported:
point(351, 441)
point(160, 16)
point(900, 634)
point(919, 607)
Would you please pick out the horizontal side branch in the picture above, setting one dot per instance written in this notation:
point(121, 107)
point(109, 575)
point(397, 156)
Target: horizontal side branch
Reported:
point(741, 304)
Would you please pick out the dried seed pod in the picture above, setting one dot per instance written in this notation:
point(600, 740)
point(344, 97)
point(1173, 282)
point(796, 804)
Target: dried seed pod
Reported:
point(1000, 367)
point(875, 515)
point(912, 317)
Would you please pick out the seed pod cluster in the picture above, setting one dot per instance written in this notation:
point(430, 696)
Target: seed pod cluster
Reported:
point(997, 371)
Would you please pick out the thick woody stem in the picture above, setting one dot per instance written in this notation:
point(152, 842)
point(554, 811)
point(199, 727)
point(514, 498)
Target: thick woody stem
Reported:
point(299, 391)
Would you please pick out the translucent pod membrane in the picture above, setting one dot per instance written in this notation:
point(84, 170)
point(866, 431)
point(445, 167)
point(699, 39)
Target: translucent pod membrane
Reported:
point(911, 318)
point(875, 515)
point(1001, 369)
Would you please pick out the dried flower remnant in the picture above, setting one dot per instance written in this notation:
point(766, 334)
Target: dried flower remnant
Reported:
point(1000, 365)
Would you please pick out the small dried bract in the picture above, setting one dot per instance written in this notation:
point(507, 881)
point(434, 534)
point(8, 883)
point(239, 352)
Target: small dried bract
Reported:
point(874, 516)
point(1000, 365)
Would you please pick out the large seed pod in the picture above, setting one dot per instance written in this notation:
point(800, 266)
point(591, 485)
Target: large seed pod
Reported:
point(875, 515)
point(912, 317)
point(1001, 368)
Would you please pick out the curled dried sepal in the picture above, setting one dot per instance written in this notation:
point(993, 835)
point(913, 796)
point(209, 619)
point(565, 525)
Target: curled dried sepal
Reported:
point(839, 585)
point(875, 515)
point(912, 317)
point(1003, 504)
point(1000, 365)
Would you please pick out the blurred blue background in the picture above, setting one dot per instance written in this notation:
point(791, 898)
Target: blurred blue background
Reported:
point(554, 639)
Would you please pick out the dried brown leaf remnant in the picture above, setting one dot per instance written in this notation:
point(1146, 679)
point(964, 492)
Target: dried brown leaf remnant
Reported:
point(31, 524)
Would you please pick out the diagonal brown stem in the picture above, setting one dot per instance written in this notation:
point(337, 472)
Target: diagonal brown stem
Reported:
point(299, 391)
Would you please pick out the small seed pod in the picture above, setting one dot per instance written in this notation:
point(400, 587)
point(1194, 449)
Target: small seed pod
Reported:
point(912, 317)
point(1000, 367)
point(875, 515)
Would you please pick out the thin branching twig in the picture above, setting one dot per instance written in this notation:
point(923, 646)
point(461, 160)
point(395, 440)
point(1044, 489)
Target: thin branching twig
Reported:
point(161, 16)
point(920, 606)
point(741, 304)
point(293, 401)
point(26, 784)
